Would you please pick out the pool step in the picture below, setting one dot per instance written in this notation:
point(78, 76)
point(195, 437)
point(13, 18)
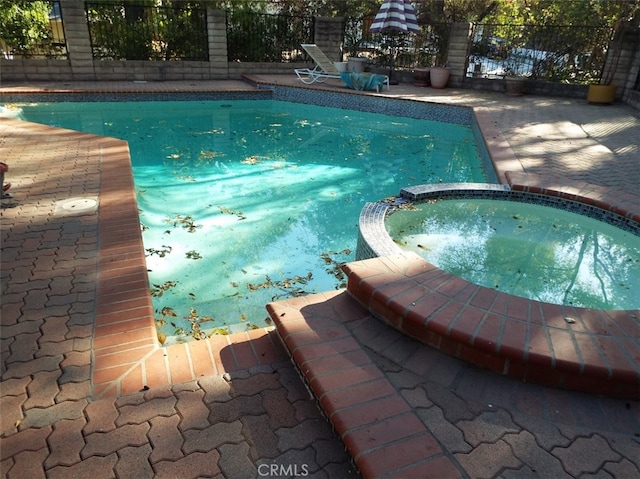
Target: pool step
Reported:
point(574, 348)
point(381, 432)
point(513, 336)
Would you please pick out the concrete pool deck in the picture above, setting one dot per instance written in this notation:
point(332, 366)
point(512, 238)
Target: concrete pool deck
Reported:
point(85, 394)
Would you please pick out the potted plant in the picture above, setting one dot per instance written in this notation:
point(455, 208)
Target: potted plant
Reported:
point(439, 76)
point(604, 93)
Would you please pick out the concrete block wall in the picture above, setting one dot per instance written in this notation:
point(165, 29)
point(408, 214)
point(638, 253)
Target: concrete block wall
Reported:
point(458, 52)
point(328, 34)
point(80, 65)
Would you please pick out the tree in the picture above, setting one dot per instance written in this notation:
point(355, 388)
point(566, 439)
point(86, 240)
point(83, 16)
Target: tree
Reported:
point(24, 25)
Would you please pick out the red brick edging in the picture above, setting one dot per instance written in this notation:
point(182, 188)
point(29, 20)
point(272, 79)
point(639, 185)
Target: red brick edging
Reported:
point(381, 432)
point(127, 356)
point(595, 351)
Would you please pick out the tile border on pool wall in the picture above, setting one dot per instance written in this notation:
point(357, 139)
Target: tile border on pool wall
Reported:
point(373, 239)
point(402, 107)
point(460, 115)
point(98, 96)
point(606, 213)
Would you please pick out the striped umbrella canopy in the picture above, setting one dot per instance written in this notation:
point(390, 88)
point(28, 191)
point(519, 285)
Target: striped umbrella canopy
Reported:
point(395, 15)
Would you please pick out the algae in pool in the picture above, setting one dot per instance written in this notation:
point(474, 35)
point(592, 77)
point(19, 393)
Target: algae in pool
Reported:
point(246, 202)
point(527, 250)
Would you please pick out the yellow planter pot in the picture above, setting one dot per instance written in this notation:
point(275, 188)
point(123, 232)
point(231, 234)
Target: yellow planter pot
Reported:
point(601, 94)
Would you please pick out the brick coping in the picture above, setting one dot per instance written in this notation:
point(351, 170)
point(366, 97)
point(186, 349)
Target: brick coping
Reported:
point(127, 356)
point(380, 430)
point(525, 339)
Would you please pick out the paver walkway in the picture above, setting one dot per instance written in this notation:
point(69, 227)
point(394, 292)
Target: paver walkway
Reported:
point(234, 425)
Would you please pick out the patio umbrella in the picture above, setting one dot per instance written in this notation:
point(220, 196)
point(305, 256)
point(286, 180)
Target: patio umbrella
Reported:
point(395, 16)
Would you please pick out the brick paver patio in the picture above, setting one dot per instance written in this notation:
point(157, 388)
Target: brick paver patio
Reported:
point(86, 391)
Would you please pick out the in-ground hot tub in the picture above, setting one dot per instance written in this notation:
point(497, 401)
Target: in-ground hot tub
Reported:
point(573, 339)
point(526, 246)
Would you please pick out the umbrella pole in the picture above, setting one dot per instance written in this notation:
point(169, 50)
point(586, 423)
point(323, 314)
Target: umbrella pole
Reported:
point(392, 57)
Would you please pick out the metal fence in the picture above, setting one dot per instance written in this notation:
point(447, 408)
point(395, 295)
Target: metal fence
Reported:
point(556, 53)
point(260, 37)
point(39, 40)
point(403, 51)
point(126, 31)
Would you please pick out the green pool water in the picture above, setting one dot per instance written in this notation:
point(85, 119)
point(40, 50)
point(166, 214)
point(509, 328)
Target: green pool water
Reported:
point(246, 202)
point(534, 251)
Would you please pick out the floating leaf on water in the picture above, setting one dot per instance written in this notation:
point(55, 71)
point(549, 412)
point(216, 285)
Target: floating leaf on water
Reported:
point(158, 289)
point(161, 337)
point(252, 326)
point(234, 284)
point(168, 311)
point(193, 255)
point(227, 211)
point(221, 331)
point(159, 252)
point(250, 160)
point(243, 317)
point(192, 296)
point(174, 156)
point(206, 154)
point(408, 206)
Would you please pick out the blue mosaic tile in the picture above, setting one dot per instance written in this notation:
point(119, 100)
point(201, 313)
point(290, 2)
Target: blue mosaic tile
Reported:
point(373, 239)
point(376, 104)
point(130, 96)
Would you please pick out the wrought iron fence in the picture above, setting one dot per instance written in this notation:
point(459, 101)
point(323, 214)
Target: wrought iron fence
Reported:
point(41, 37)
point(260, 37)
point(128, 31)
point(556, 53)
point(402, 51)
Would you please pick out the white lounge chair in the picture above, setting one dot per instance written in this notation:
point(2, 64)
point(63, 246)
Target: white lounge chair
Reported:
point(326, 69)
point(323, 70)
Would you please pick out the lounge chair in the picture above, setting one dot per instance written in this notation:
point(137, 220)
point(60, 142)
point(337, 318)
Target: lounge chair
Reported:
point(323, 70)
point(326, 69)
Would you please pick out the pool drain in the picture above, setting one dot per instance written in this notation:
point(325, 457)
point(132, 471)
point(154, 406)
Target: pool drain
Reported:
point(76, 206)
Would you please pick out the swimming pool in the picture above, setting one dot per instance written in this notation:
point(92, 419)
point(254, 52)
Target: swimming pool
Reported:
point(246, 202)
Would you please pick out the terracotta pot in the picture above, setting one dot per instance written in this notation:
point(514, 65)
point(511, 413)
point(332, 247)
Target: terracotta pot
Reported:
point(601, 94)
point(439, 77)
